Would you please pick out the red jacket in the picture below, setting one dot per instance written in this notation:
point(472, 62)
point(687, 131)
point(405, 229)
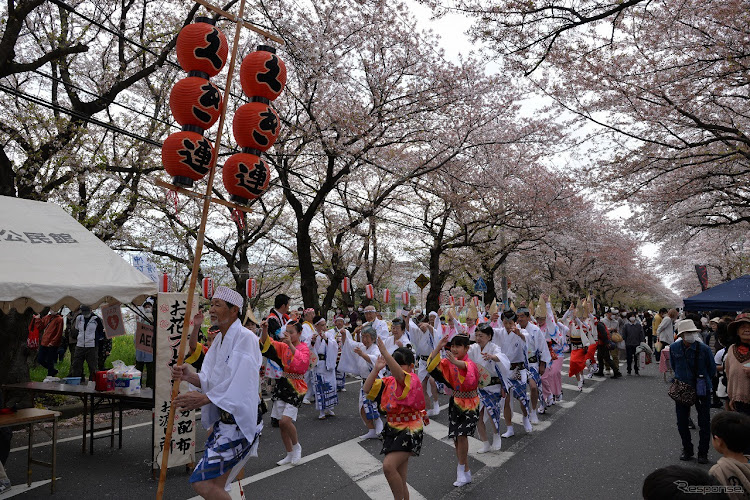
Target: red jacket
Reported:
point(52, 330)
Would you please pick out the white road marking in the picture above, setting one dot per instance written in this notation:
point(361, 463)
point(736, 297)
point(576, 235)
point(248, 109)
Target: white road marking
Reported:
point(17, 489)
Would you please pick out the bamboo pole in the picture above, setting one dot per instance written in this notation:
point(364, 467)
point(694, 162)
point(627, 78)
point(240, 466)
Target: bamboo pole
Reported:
point(197, 257)
point(193, 194)
point(238, 19)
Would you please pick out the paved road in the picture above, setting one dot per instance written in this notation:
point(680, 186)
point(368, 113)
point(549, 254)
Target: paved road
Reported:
point(600, 442)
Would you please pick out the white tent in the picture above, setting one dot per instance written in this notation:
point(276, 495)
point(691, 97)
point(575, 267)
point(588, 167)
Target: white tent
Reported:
point(48, 259)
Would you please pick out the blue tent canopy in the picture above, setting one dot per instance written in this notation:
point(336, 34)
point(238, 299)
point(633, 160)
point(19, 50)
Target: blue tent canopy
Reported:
point(730, 296)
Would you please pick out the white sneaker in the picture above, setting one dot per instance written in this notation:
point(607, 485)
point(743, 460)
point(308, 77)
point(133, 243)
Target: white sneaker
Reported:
point(527, 424)
point(296, 453)
point(287, 459)
point(485, 447)
point(509, 432)
point(497, 442)
point(533, 417)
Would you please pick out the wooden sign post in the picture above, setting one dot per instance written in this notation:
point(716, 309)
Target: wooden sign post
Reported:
point(207, 199)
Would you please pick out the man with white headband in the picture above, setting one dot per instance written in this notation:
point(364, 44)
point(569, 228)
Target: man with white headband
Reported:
point(228, 396)
point(380, 326)
point(324, 373)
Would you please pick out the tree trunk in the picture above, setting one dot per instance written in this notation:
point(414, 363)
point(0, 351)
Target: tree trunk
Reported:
point(308, 282)
point(437, 280)
point(15, 356)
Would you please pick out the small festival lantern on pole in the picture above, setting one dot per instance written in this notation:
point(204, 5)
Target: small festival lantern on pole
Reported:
point(451, 300)
point(251, 288)
point(405, 299)
point(369, 291)
point(386, 296)
point(462, 302)
point(345, 285)
point(195, 102)
point(164, 283)
point(208, 288)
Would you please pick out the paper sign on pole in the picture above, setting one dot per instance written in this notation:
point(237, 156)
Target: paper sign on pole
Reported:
point(112, 318)
point(169, 323)
point(144, 337)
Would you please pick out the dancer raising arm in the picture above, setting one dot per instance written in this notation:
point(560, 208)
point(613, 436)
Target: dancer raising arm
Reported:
point(294, 357)
point(460, 373)
point(400, 397)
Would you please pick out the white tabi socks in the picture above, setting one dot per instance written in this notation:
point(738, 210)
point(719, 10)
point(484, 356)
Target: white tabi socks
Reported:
point(509, 432)
point(496, 442)
point(463, 476)
point(526, 424)
point(485, 447)
point(296, 453)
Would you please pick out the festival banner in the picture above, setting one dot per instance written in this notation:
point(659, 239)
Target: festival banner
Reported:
point(169, 324)
point(702, 276)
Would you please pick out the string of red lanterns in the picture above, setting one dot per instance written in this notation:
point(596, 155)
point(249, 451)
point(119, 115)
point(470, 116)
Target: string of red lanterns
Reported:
point(195, 102)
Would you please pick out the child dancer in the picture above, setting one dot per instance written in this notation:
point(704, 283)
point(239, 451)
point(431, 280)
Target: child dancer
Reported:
point(294, 357)
point(400, 397)
point(460, 373)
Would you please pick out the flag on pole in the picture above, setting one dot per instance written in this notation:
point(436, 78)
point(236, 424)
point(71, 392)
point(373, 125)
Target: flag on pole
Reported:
point(345, 285)
point(702, 276)
point(208, 288)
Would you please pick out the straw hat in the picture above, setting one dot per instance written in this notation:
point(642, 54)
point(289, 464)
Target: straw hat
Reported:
point(541, 310)
point(493, 307)
point(249, 315)
point(472, 314)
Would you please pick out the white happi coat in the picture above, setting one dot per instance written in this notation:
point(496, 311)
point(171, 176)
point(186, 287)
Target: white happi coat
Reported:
point(503, 366)
point(230, 377)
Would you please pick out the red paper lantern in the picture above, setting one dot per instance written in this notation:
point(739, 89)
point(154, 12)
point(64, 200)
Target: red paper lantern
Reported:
point(345, 285)
point(256, 126)
point(186, 156)
point(370, 292)
point(263, 74)
point(164, 283)
point(386, 296)
point(245, 177)
point(251, 288)
point(208, 288)
point(195, 101)
point(405, 298)
point(462, 301)
point(202, 47)
point(475, 299)
point(451, 300)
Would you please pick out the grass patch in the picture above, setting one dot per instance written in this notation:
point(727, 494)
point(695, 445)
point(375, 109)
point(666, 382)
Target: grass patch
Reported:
point(123, 348)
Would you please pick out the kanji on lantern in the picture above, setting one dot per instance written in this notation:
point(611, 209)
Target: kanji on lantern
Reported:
point(186, 156)
point(201, 47)
point(263, 74)
point(246, 177)
point(256, 126)
point(195, 101)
